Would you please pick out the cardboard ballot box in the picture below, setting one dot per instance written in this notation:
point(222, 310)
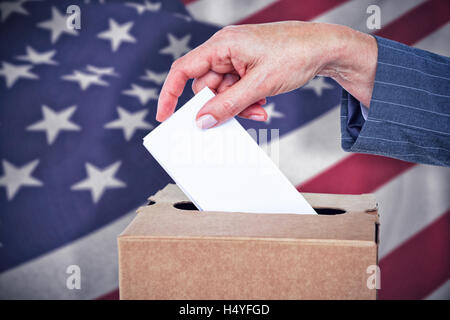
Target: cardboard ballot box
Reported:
point(172, 251)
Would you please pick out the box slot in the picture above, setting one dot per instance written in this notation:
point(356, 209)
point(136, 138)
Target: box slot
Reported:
point(329, 211)
point(189, 206)
point(185, 205)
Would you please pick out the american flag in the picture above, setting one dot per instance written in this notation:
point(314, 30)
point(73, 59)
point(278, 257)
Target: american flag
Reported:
point(76, 103)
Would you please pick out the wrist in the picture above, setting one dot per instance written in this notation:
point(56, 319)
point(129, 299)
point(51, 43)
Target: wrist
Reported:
point(352, 61)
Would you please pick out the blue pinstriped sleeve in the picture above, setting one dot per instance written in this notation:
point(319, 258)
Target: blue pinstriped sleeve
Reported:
point(409, 114)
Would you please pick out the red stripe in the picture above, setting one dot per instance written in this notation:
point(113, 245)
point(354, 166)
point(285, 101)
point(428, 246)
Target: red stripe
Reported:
point(186, 2)
point(113, 295)
point(292, 10)
point(418, 23)
point(420, 265)
point(357, 173)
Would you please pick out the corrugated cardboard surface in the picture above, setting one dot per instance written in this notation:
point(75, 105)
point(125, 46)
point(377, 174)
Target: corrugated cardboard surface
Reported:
point(168, 253)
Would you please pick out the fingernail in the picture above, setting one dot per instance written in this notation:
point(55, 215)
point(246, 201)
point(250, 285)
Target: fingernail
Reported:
point(206, 121)
point(257, 117)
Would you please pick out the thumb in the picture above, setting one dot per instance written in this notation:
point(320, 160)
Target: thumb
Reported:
point(230, 102)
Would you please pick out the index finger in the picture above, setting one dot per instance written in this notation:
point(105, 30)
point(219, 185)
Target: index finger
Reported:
point(192, 65)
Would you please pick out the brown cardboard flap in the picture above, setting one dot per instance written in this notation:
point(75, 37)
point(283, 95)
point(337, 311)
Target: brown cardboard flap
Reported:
point(170, 193)
point(163, 220)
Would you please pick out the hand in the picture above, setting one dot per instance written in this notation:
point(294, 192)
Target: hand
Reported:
point(245, 64)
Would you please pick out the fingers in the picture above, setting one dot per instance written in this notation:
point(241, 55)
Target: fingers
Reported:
point(231, 102)
point(193, 65)
point(211, 80)
point(228, 80)
point(254, 112)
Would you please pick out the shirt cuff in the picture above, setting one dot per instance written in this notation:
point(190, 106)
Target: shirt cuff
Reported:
point(364, 111)
point(353, 116)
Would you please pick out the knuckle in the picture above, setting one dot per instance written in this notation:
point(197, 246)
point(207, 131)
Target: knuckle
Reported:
point(229, 29)
point(227, 32)
point(229, 108)
point(264, 83)
point(233, 28)
point(176, 64)
point(221, 57)
point(263, 87)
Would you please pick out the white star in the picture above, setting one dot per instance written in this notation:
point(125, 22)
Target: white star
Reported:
point(53, 122)
point(98, 180)
point(147, 6)
point(102, 71)
point(182, 16)
point(117, 34)
point(129, 122)
point(157, 78)
point(12, 6)
point(14, 177)
point(85, 79)
point(318, 84)
point(143, 94)
point(12, 73)
point(57, 25)
point(272, 113)
point(177, 47)
point(35, 57)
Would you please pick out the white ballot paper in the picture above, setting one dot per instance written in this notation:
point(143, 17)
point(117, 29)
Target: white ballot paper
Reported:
point(222, 168)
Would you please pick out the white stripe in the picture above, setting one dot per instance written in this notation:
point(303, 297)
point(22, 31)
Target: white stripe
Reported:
point(410, 202)
point(224, 12)
point(437, 42)
point(441, 293)
point(45, 277)
point(307, 151)
point(353, 13)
